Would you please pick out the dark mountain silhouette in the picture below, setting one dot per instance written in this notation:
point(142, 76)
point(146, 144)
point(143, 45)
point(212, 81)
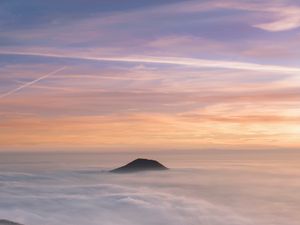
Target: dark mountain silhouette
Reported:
point(139, 165)
point(7, 222)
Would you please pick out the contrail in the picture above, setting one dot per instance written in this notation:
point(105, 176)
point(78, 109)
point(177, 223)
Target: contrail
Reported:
point(31, 83)
point(191, 62)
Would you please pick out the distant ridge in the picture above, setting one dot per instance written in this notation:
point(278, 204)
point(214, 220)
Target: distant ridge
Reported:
point(140, 165)
point(7, 222)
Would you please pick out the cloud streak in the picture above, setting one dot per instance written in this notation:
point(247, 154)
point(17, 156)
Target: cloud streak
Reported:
point(31, 82)
point(180, 61)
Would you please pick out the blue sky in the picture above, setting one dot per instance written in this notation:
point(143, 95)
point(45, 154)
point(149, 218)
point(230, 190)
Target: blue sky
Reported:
point(196, 72)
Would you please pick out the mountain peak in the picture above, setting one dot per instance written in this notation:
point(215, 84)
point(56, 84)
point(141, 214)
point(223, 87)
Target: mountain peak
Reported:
point(139, 165)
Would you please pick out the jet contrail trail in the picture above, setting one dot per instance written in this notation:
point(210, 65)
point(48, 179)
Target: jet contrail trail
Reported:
point(191, 62)
point(31, 83)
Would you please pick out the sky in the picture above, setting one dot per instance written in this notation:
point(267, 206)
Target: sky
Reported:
point(149, 75)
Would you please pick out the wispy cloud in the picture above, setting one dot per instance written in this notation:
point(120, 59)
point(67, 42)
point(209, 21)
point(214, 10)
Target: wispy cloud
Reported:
point(286, 18)
point(191, 62)
point(31, 82)
point(282, 15)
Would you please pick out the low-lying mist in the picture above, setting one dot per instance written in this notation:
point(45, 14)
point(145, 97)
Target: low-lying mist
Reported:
point(216, 193)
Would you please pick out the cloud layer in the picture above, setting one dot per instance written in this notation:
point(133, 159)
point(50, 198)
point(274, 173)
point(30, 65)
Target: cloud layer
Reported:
point(226, 189)
point(109, 204)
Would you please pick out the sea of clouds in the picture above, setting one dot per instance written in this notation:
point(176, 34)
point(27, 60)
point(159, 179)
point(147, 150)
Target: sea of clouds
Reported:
point(222, 194)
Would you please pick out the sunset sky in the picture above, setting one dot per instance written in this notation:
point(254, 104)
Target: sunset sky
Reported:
point(139, 74)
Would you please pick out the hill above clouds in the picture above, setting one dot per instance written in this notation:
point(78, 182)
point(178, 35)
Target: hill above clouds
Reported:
point(140, 165)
